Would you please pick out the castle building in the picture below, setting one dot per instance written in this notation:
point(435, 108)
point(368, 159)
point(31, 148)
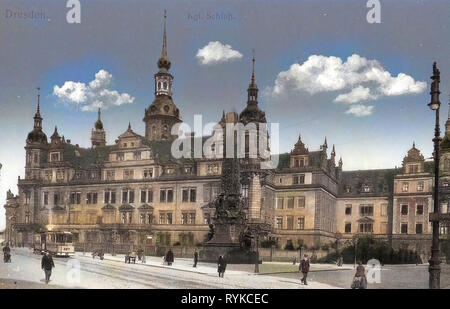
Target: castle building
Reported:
point(134, 192)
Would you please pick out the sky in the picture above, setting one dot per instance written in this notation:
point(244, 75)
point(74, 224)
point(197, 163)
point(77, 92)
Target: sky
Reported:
point(321, 68)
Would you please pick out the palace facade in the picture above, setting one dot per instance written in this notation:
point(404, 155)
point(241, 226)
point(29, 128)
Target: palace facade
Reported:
point(135, 192)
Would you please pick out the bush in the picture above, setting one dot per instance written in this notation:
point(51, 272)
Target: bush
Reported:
point(267, 243)
point(289, 246)
point(369, 248)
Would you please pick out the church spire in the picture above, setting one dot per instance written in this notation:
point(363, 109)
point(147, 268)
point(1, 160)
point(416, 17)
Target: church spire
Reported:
point(164, 62)
point(253, 88)
point(37, 116)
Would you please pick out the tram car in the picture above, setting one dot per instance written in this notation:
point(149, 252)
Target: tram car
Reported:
point(57, 243)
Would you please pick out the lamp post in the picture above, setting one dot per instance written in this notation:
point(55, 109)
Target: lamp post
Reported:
point(434, 263)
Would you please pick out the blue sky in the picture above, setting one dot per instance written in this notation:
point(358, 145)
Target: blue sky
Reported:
point(124, 39)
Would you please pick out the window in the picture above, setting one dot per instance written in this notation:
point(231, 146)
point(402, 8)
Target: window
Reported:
point(301, 179)
point(413, 169)
point(366, 188)
point(184, 218)
point(55, 199)
point(110, 175)
point(301, 223)
point(384, 209)
point(91, 198)
point(54, 157)
point(128, 174)
point(150, 196)
point(142, 218)
point(348, 210)
point(366, 210)
point(143, 196)
point(290, 223)
point(405, 187)
point(162, 196)
point(75, 198)
point(419, 210)
point(420, 186)
point(45, 198)
point(279, 223)
point(302, 162)
point(27, 197)
point(290, 203)
point(27, 217)
point(295, 180)
point(365, 227)
point(280, 203)
point(404, 209)
point(185, 195)
point(212, 169)
point(110, 197)
point(169, 218)
point(192, 218)
point(166, 196)
point(121, 156)
point(301, 202)
point(419, 228)
point(404, 228)
point(127, 196)
point(136, 155)
point(148, 174)
point(169, 196)
point(162, 218)
point(348, 228)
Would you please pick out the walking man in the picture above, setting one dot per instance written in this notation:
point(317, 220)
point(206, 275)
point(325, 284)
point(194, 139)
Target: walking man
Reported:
point(195, 258)
point(304, 268)
point(47, 265)
point(221, 266)
point(169, 257)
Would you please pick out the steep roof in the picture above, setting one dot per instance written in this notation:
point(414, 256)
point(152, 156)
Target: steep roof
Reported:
point(380, 182)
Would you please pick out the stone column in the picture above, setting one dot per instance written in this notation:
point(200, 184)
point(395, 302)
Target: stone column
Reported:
point(255, 191)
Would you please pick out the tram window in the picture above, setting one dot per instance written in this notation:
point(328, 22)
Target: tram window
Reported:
point(60, 238)
point(68, 238)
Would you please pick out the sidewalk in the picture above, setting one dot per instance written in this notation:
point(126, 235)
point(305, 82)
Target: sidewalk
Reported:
point(186, 264)
point(182, 264)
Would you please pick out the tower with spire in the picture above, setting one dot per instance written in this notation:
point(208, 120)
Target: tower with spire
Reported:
point(252, 113)
point(162, 113)
point(98, 135)
point(36, 144)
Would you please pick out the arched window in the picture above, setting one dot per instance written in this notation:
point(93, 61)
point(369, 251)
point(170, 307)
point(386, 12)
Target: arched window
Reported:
point(165, 85)
point(159, 85)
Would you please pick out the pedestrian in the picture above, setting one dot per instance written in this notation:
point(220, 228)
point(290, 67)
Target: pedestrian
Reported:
point(47, 265)
point(304, 268)
point(340, 261)
point(221, 266)
point(360, 280)
point(294, 260)
point(6, 254)
point(195, 258)
point(169, 257)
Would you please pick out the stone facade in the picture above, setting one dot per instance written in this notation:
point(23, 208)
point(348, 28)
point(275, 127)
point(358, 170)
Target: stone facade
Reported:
point(134, 192)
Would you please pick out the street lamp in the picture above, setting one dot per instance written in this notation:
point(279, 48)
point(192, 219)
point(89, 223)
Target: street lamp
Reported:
point(434, 263)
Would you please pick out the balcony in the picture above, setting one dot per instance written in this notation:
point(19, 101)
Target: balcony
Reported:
point(126, 226)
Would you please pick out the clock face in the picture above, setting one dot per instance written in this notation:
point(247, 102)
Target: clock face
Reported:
point(166, 108)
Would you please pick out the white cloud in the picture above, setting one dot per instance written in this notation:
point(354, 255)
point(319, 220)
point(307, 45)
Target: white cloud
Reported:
point(357, 94)
point(216, 52)
point(358, 79)
point(359, 110)
point(93, 96)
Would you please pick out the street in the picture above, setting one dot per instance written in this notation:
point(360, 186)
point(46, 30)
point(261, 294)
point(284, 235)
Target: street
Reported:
point(112, 273)
point(392, 277)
